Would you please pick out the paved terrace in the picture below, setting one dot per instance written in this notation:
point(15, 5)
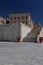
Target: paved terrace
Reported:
point(21, 53)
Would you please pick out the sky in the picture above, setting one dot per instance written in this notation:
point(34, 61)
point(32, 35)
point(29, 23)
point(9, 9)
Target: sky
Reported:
point(34, 7)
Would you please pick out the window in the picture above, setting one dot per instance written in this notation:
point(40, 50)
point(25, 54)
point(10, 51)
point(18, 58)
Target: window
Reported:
point(2, 21)
point(18, 17)
point(22, 17)
point(26, 22)
point(22, 21)
point(26, 17)
point(15, 18)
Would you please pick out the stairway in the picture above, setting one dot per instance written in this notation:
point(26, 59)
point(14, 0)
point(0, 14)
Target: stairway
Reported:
point(32, 36)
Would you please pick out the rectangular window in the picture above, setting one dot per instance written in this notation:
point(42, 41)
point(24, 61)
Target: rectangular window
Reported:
point(26, 17)
point(18, 17)
point(26, 22)
point(15, 18)
point(22, 17)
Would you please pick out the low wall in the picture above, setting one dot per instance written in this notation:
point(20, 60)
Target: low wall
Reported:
point(24, 30)
point(40, 35)
point(9, 32)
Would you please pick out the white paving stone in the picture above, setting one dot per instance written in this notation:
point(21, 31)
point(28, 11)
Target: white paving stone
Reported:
point(21, 53)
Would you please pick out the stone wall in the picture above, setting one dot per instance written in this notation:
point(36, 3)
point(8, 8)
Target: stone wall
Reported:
point(11, 32)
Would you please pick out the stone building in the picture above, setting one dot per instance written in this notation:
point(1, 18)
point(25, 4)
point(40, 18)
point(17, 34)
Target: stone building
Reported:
point(24, 18)
point(2, 21)
point(19, 25)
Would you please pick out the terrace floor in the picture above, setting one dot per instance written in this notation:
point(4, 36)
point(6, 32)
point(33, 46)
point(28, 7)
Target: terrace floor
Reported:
point(12, 53)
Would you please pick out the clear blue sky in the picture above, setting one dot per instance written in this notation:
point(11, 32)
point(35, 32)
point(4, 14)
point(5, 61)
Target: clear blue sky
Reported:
point(34, 7)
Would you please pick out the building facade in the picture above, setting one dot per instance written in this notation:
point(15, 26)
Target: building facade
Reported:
point(19, 25)
point(24, 18)
point(2, 21)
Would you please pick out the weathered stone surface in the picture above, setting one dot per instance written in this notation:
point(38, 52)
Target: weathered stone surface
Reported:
point(21, 53)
